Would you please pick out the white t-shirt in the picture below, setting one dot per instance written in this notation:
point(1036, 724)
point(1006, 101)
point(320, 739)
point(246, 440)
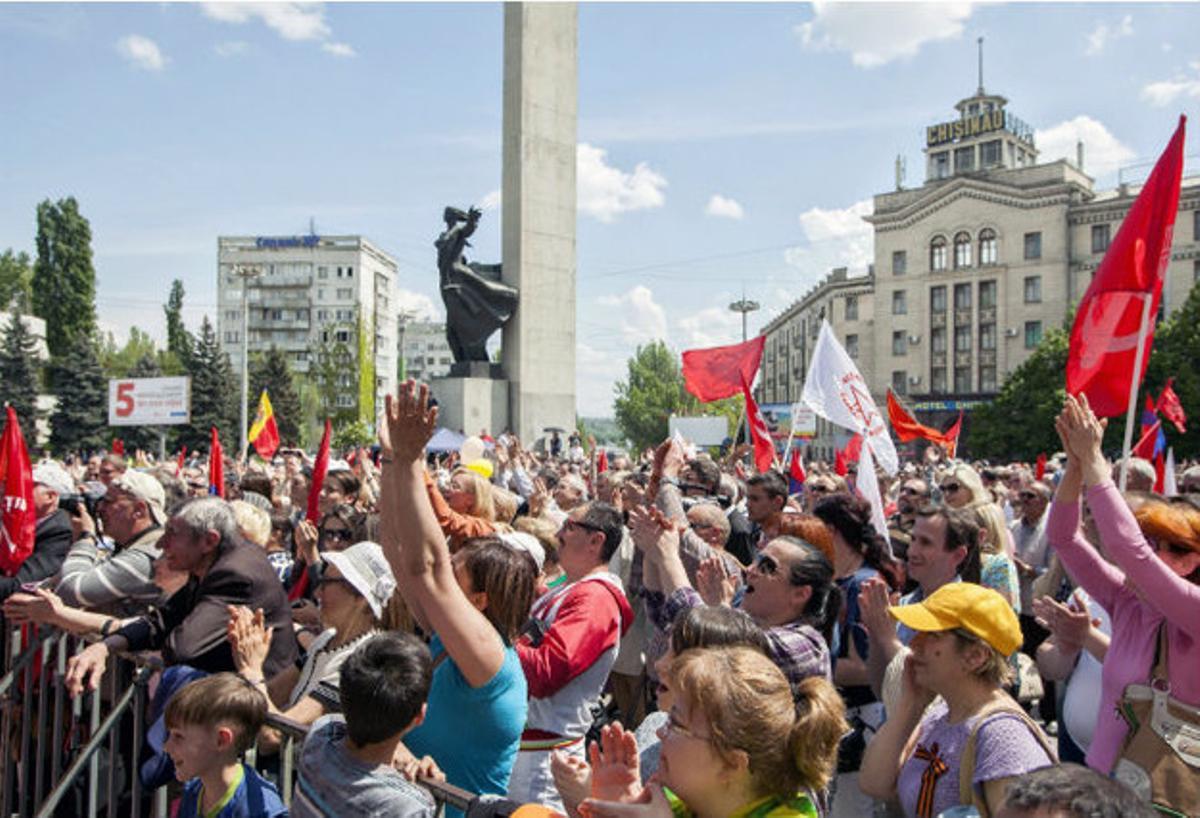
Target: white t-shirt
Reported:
point(322, 664)
point(1081, 702)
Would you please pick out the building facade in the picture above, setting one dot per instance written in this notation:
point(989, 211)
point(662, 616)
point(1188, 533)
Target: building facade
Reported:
point(424, 351)
point(974, 266)
point(308, 295)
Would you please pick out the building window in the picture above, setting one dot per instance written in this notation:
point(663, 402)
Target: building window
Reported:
point(342, 336)
point(937, 299)
point(1196, 224)
point(937, 340)
point(987, 336)
point(349, 272)
point(962, 251)
point(964, 159)
point(962, 296)
point(345, 292)
point(987, 246)
point(987, 379)
point(900, 382)
point(899, 342)
point(899, 262)
point(937, 254)
point(232, 315)
point(1099, 238)
point(989, 154)
point(962, 339)
point(937, 380)
point(1033, 246)
point(941, 165)
point(322, 272)
point(322, 315)
point(852, 345)
point(852, 308)
point(987, 295)
point(1033, 334)
point(962, 379)
point(321, 293)
point(1033, 289)
point(899, 302)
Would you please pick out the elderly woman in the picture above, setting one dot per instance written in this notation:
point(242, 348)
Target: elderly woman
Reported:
point(736, 743)
point(967, 747)
point(467, 509)
point(1152, 585)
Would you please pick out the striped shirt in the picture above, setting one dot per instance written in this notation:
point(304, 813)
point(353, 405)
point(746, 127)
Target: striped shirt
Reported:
point(120, 582)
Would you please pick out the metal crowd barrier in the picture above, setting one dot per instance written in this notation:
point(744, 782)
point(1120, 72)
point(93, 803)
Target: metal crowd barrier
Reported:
point(37, 717)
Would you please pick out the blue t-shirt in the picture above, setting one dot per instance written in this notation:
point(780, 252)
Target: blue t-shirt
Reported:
point(254, 798)
point(473, 732)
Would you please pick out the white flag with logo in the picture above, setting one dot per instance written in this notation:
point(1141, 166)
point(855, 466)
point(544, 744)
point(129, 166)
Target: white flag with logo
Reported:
point(836, 391)
point(868, 486)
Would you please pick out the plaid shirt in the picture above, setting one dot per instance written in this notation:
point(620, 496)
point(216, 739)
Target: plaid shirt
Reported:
point(799, 650)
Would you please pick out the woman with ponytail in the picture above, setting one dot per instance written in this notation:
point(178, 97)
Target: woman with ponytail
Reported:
point(738, 744)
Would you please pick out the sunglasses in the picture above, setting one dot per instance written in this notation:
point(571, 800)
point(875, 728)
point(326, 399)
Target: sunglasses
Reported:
point(342, 534)
point(947, 488)
point(320, 579)
point(766, 565)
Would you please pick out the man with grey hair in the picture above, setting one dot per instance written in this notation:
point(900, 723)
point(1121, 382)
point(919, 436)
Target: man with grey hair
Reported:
point(1141, 474)
point(1189, 481)
point(190, 629)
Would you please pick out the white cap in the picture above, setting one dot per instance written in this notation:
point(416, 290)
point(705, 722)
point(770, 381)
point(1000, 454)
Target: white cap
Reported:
point(365, 567)
point(145, 488)
point(521, 541)
point(54, 477)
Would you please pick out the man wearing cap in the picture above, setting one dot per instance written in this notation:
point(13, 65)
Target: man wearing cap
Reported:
point(52, 537)
point(123, 583)
point(191, 627)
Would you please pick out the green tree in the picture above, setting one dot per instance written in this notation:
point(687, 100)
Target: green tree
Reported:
point(80, 421)
point(20, 372)
point(333, 373)
point(180, 342)
point(119, 361)
point(270, 371)
point(350, 434)
point(64, 291)
point(1176, 354)
point(16, 279)
point(215, 394)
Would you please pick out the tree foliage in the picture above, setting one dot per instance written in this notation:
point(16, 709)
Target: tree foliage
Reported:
point(119, 361)
point(20, 371)
point(64, 280)
point(180, 342)
point(215, 393)
point(16, 280)
point(269, 371)
point(351, 434)
point(80, 421)
point(333, 375)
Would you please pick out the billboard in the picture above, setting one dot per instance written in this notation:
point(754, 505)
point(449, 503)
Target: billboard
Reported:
point(702, 431)
point(783, 418)
point(149, 401)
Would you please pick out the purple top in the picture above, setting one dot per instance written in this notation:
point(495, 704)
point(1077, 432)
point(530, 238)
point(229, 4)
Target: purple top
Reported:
point(1004, 748)
point(1135, 619)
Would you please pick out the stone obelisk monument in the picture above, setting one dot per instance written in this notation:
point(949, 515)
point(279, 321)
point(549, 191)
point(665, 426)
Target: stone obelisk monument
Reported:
point(538, 213)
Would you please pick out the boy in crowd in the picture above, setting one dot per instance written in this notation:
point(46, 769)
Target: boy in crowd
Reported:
point(346, 767)
point(210, 724)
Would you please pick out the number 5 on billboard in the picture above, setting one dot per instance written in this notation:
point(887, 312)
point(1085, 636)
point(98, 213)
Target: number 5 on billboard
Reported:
point(125, 399)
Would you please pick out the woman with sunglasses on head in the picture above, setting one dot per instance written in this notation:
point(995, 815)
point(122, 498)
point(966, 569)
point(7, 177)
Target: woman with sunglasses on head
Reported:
point(739, 741)
point(353, 588)
point(1151, 588)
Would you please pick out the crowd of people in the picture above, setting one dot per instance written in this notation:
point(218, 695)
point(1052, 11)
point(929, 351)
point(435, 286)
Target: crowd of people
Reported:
point(640, 636)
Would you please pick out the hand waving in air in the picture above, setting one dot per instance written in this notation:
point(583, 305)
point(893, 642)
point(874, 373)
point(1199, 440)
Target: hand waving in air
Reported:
point(410, 421)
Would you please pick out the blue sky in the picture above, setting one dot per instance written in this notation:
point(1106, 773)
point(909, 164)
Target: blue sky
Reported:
point(722, 146)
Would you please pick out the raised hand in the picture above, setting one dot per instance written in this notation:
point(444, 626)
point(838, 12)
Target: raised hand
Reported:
point(616, 770)
point(249, 639)
point(410, 420)
point(873, 602)
point(714, 585)
point(650, 804)
point(572, 778)
point(1069, 623)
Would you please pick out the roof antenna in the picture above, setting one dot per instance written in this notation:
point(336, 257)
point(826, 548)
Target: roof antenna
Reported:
point(980, 42)
point(312, 226)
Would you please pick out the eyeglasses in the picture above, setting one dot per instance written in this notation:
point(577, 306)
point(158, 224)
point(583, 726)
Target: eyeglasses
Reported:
point(911, 490)
point(766, 565)
point(320, 578)
point(947, 488)
point(342, 534)
point(673, 727)
point(578, 524)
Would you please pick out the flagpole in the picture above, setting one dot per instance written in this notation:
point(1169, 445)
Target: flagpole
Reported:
point(1134, 382)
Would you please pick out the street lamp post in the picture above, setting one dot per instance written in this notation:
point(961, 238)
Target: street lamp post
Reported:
point(245, 272)
point(745, 306)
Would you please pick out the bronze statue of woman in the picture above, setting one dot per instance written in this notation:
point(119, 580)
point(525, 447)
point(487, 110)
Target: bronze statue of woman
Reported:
point(477, 302)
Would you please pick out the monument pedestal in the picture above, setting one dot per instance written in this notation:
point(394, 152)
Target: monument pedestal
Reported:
point(472, 404)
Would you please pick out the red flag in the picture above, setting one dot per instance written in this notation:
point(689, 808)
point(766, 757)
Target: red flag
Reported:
point(320, 467)
point(602, 462)
point(854, 449)
point(907, 428)
point(1040, 470)
point(839, 463)
point(19, 516)
point(1171, 408)
point(1160, 473)
point(949, 440)
point(1144, 448)
point(721, 372)
point(118, 446)
point(760, 433)
point(796, 471)
point(179, 461)
point(216, 466)
point(1104, 336)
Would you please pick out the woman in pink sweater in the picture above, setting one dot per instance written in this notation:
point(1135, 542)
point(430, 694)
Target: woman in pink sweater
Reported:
point(1154, 576)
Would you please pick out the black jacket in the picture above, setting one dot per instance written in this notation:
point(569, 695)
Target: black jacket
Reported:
point(50, 546)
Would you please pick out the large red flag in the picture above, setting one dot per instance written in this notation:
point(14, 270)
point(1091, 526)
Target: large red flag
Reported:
point(720, 372)
point(1039, 470)
point(760, 433)
point(320, 467)
point(796, 471)
point(907, 428)
point(1171, 408)
point(216, 466)
point(949, 440)
point(1105, 334)
point(19, 516)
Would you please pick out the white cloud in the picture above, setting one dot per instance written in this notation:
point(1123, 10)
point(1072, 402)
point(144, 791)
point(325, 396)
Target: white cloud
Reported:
point(605, 191)
point(231, 48)
point(710, 327)
point(878, 33)
point(143, 52)
point(1099, 37)
point(491, 201)
point(640, 317)
point(836, 238)
point(1163, 93)
point(596, 373)
point(1103, 152)
point(418, 305)
point(718, 205)
point(339, 49)
point(292, 21)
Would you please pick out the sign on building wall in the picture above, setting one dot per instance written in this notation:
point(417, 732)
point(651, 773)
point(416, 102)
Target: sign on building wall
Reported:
point(149, 401)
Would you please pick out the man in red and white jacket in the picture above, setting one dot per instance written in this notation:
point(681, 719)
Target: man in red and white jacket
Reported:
point(578, 628)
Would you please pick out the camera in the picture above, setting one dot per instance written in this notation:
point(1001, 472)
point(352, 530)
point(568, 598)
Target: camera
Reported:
point(89, 500)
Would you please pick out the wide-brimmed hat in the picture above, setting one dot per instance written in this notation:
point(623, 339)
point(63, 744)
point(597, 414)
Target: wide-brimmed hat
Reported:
point(365, 567)
point(977, 610)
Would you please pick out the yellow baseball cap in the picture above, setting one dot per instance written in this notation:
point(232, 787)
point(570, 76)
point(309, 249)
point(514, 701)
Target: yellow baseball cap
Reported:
point(483, 467)
point(965, 605)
